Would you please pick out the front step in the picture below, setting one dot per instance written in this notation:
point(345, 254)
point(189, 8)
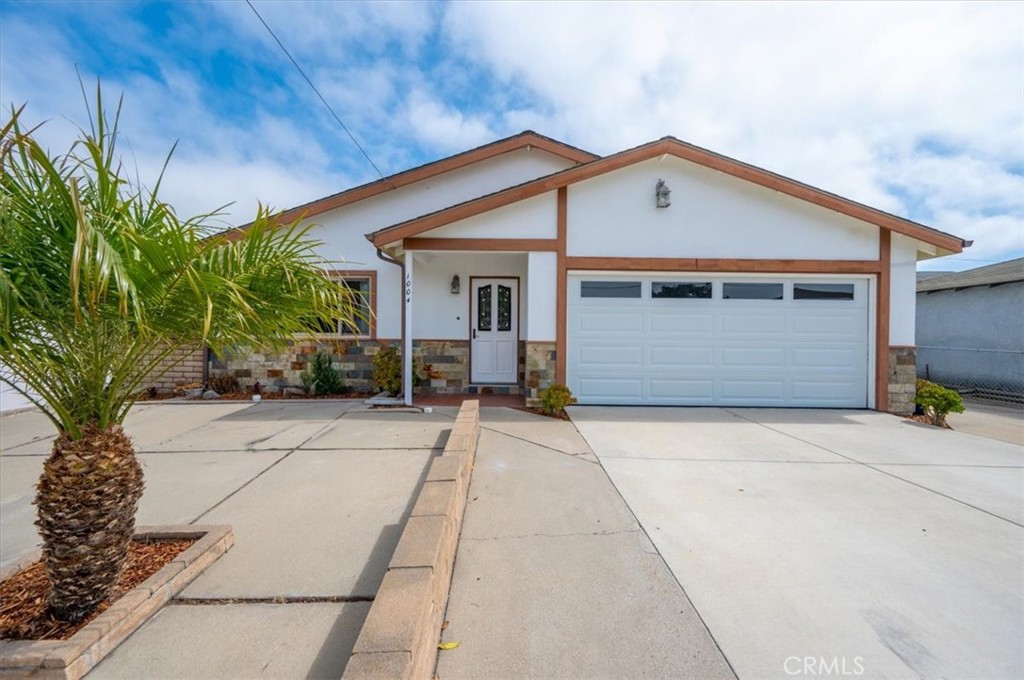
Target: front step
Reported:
point(494, 389)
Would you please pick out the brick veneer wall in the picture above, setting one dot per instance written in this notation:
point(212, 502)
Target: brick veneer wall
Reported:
point(188, 369)
point(902, 379)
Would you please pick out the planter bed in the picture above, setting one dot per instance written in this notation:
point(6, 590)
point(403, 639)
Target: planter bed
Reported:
point(72, 658)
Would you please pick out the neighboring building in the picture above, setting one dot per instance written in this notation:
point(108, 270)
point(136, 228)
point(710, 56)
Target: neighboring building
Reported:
point(664, 274)
point(970, 329)
point(924, 276)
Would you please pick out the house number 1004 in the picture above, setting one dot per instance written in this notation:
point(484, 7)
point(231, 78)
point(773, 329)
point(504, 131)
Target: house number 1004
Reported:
point(408, 287)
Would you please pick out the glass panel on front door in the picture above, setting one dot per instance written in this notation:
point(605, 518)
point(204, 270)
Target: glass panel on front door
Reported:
point(504, 308)
point(483, 308)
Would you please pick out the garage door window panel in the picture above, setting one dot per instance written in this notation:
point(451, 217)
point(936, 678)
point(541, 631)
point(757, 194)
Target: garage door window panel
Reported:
point(823, 291)
point(752, 291)
point(610, 289)
point(684, 290)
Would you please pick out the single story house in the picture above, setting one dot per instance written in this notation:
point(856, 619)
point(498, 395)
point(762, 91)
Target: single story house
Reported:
point(970, 329)
point(663, 274)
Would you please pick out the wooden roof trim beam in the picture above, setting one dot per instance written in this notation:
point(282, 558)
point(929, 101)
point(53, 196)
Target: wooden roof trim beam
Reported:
point(508, 196)
point(481, 244)
point(673, 147)
point(708, 265)
point(523, 140)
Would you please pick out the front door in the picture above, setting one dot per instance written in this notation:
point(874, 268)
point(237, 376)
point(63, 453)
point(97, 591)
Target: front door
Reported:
point(494, 331)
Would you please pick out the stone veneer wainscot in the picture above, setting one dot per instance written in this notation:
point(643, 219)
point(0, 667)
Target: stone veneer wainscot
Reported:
point(902, 379)
point(448, 361)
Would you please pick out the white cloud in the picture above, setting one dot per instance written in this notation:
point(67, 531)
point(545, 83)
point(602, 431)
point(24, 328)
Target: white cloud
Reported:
point(913, 108)
point(839, 95)
point(264, 157)
point(329, 31)
point(443, 127)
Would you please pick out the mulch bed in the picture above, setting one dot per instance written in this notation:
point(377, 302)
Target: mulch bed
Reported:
point(927, 421)
point(23, 614)
point(246, 395)
point(558, 415)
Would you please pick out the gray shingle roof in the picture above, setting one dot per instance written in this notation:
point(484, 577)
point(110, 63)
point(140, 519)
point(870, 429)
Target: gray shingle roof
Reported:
point(921, 276)
point(1003, 272)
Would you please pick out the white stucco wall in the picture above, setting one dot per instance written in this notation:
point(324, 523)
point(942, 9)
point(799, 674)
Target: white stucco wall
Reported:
point(342, 231)
point(439, 315)
point(533, 218)
point(542, 276)
point(902, 290)
point(713, 215)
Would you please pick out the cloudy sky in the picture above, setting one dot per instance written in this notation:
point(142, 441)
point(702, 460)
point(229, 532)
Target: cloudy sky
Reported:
point(913, 108)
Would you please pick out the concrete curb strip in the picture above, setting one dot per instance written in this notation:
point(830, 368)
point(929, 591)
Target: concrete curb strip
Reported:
point(72, 658)
point(400, 636)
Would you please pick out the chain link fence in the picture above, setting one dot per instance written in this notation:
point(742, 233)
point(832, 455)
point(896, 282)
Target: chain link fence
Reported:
point(981, 373)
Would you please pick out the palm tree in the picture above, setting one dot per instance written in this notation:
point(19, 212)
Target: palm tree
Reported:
point(100, 283)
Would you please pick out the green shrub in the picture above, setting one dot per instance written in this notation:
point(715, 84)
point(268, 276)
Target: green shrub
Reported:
point(387, 369)
point(420, 377)
point(308, 381)
point(555, 398)
point(321, 377)
point(938, 401)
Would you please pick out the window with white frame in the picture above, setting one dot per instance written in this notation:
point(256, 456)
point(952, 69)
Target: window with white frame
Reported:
point(362, 291)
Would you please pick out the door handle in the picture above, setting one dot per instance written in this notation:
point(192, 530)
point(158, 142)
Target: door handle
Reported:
point(474, 334)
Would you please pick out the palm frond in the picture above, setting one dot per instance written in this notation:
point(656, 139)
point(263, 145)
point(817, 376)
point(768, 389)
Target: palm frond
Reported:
point(100, 281)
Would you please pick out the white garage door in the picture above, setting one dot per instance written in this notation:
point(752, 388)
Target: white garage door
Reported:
point(723, 340)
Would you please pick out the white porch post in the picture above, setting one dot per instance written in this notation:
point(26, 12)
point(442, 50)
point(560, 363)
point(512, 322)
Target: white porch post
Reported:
point(407, 340)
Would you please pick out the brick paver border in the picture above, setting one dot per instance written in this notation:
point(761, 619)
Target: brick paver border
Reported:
point(400, 635)
point(72, 658)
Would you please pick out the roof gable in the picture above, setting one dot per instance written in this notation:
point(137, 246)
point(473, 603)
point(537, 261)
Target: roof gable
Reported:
point(524, 140)
point(674, 147)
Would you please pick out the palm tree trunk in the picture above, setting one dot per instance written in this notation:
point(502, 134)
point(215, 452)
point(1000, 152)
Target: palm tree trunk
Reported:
point(86, 499)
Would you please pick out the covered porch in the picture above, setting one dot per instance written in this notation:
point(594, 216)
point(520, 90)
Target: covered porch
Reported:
point(477, 322)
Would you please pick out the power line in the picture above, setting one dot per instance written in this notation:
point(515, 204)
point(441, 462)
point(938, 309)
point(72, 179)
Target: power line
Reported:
point(303, 73)
point(968, 259)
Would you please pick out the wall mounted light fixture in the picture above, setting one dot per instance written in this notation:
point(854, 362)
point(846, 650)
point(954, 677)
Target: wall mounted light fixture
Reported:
point(661, 192)
point(456, 284)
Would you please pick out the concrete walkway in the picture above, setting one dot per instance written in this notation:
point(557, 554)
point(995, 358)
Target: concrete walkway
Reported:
point(1004, 422)
point(317, 494)
point(554, 577)
point(831, 542)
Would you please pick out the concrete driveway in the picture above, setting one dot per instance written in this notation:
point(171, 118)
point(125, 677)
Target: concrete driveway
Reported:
point(817, 543)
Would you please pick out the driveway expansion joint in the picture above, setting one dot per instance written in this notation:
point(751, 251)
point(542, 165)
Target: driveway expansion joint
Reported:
point(283, 599)
point(268, 468)
point(577, 456)
point(876, 467)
